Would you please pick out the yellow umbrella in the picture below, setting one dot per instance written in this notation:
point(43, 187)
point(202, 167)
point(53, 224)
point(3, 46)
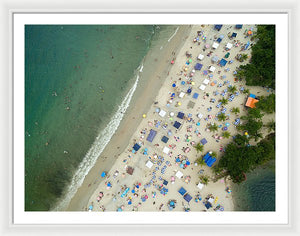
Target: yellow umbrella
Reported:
point(193, 83)
point(246, 133)
point(144, 116)
point(185, 69)
point(179, 103)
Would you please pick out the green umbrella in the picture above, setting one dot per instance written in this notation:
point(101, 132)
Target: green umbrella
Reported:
point(190, 61)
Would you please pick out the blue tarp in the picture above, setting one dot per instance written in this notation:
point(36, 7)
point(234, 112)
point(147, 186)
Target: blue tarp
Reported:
point(205, 158)
point(252, 95)
point(177, 125)
point(218, 27)
point(136, 147)
point(223, 62)
point(233, 34)
point(219, 40)
point(203, 141)
point(198, 66)
point(238, 26)
point(195, 95)
point(151, 135)
point(182, 191)
point(187, 197)
point(165, 139)
point(180, 115)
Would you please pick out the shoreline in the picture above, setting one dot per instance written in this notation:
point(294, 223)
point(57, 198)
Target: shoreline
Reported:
point(127, 126)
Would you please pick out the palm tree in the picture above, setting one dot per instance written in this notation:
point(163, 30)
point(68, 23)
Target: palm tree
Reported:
point(271, 125)
point(246, 91)
point(213, 127)
point(214, 154)
point(199, 147)
point(244, 57)
point(226, 134)
point(222, 117)
point(224, 101)
point(232, 89)
point(235, 110)
point(200, 161)
point(204, 179)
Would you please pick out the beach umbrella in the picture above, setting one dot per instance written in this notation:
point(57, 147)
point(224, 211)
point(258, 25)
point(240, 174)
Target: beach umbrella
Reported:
point(198, 123)
point(185, 69)
point(207, 45)
point(191, 74)
point(189, 91)
point(193, 71)
point(172, 62)
point(221, 36)
point(250, 32)
point(225, 128)
point(190, 60)
point(144, 116)
point(183, 82)
point(188, 163)
point(193, 83)
point(179, 103)
point(227, 124)
point(174, 85)
point(103, 174)
point(90, 207)
point(210, 76)
point(172, 114)
point(177, 160)
point(181, 165)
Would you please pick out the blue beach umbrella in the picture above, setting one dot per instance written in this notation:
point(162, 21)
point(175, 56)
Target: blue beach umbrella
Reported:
point(174, 85)
point(182, 82)
point(103, 174)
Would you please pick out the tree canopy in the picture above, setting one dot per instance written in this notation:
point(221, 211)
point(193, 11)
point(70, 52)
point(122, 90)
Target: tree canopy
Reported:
point(261, 69)
point(267, 104)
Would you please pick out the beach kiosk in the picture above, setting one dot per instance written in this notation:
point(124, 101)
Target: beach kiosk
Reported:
point(162, 113)
point(228, 46)
point(212, 68)
point(166, 150)
point(181, 95)
point(149, 164)
point(202, 87)
point(206, 81)
point(215, 45)
point(200, 57)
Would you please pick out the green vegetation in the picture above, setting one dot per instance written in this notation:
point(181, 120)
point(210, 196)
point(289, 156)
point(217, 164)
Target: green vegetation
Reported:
point(200, 161)
point(243, 57)
point(235, 110)
point(204, 179)
point(222, 117)
point(226, 134)
point(271, 125)
point(199, 147)
point(232, 89)
point(261, 69)
point(213, 127)
point(224, 101)
point(267, 104)
point(241, 158)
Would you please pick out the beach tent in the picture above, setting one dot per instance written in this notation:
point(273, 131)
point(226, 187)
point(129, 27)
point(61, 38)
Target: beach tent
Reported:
point(179, 174)
point(200, 186)
point(187, 197)
point(181, 95)
point(190, 104)
point(149, 164)
point(177, 125)
point(223, 62)
point(233, 35)
point(203, 141)
point(136, 147)
point(180, 115)
point(202, 87)
point(219, 40)
point(165, 139)
point(215, 45)
point(200, 115)
point(165, 182)
point(215, 58)
point(212, 68)
point(229, 45)
point(218, 27)
point(206, 81)
point(129, 170)
point(211, 161)
point(251, 102)
point(208, 205)
point(206, 157)
point(200, 57)
point(238, 26)
point(166, 150)
point(195, 95)
point(182, 191)
point(151, 135)
point(198, 66)
point(162, 113)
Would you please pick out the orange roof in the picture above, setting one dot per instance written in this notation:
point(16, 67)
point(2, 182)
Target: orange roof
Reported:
point(251, 102)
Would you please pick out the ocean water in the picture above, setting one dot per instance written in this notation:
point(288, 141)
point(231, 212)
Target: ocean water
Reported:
point(257, 193)
point(79, 81)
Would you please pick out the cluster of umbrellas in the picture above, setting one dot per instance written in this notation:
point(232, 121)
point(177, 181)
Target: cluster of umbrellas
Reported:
point(183, 163)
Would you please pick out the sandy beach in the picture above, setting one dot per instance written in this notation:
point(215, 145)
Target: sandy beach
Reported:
point(150, 178)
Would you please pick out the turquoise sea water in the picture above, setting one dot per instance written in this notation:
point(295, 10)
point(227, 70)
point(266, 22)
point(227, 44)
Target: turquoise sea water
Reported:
point(257, 193)
point(75, 79)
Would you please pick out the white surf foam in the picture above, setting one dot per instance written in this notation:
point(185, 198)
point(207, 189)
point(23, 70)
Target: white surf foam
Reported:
point(173, 34)
point(97, 148)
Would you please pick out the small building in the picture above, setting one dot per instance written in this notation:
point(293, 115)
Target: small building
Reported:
point(251, 100)
point(203, 141)
point(229, 45)
point(212, 68)
point(195, 95)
